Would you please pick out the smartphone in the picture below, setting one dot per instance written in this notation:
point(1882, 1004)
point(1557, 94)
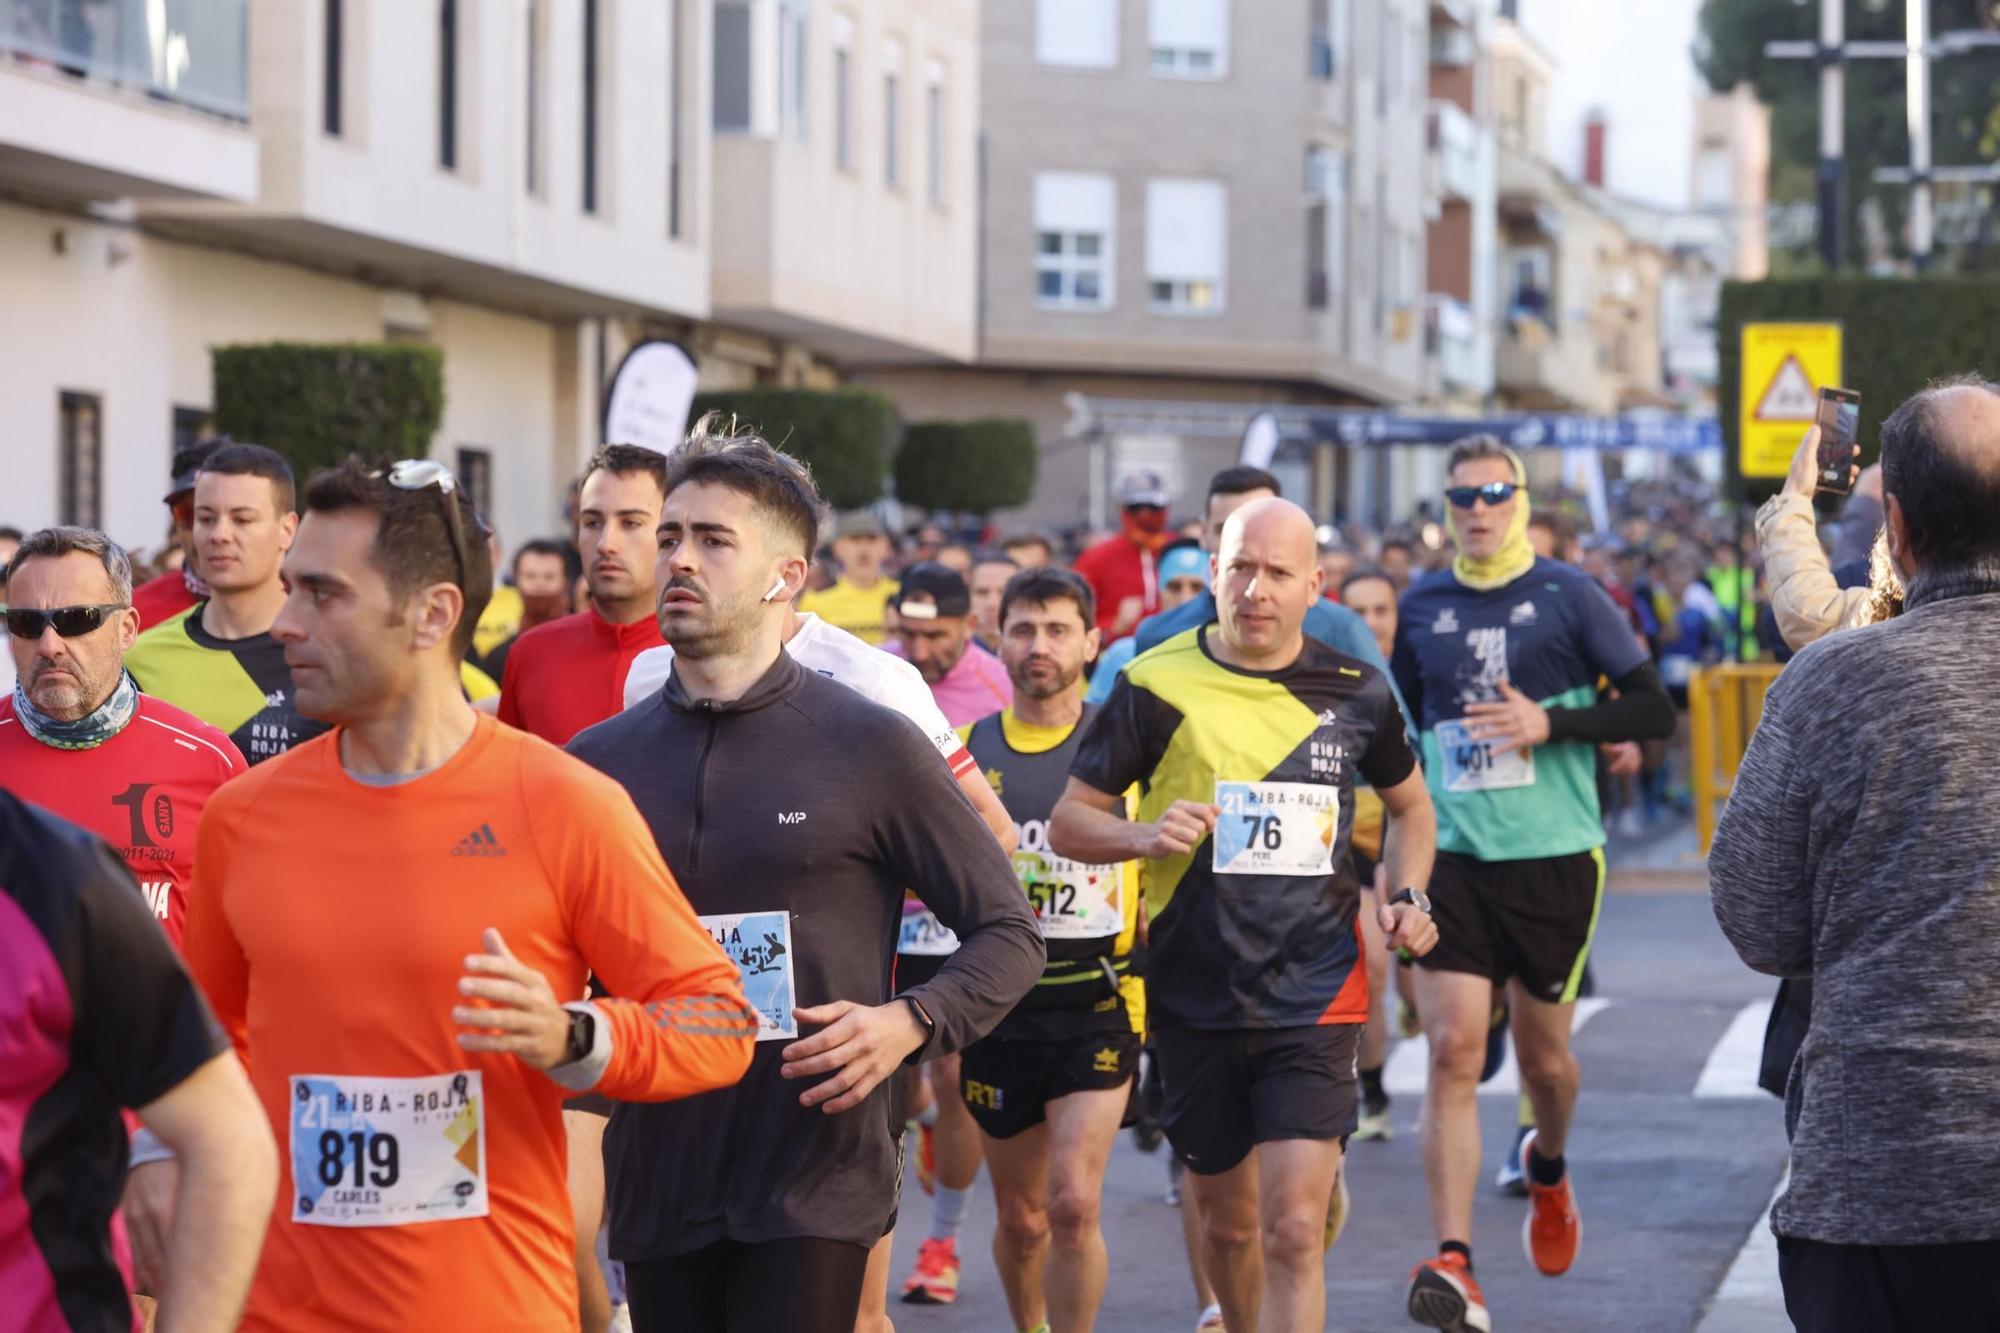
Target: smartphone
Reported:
point(1839, 424)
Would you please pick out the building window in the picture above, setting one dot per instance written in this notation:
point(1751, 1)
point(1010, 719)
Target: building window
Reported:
point(334, 37)
point(732, 67)
point(1078, 34)
point(1189, 39)
point(536, 45)
point(1076, 222)
point(1530, 288)
point(892, 115)
point(934, 133)
point(1319, 49)
point(590, 107)
point(843, 92)
point(1326, 226)
point(191, 426)
point(792, 56)
point(82, 463)
point(1187, 240)
point(475, 473)
point(448, 84)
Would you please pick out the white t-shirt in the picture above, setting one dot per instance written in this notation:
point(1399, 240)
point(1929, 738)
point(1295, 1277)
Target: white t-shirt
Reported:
point(840, 656)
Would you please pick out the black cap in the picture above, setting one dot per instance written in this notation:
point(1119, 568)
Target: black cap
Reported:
point(942, 588)
point(187, 462)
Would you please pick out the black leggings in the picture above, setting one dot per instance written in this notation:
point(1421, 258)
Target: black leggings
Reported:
point(802, 1286)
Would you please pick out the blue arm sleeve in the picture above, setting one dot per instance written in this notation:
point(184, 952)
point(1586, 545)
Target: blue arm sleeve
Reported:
point(1345, 632)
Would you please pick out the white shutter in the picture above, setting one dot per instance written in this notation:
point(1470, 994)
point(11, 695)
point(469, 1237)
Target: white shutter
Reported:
point(1187, 230)
point(1078, 33)
point(1075, 201)
point(1190, 25)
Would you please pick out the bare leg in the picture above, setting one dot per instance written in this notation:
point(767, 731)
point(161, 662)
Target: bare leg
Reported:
point(1549, 1073)
point(873, 1314)
point(585, 1133)
point(1019, 1167)
point(1204, 1291)
point(1231, 1235)
point(958, 1146)
point(1295, 1181)
point(1457, 1007)
point(1084, 1125)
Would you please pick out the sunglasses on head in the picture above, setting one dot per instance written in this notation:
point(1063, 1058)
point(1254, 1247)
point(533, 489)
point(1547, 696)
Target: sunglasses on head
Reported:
point(70, 621)
point(415, 474)
point(1493, 492)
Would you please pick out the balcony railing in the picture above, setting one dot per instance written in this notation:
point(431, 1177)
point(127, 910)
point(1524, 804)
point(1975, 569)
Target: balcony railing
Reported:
point(1451, 335)
point(191, 52)
point(1453, 140)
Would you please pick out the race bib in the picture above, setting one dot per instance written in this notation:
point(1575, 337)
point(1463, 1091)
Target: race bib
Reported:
point(387, 1152)
point(1676, 669)
point(923, 934)
point(1474, 765)
point(1072, 901)
point(760, 944)
point(1275, 828)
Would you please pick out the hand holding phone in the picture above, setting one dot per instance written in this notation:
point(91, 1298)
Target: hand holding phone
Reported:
point(1839, 425)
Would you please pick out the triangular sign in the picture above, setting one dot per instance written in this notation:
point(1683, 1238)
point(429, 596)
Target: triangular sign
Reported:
point(1790, 396)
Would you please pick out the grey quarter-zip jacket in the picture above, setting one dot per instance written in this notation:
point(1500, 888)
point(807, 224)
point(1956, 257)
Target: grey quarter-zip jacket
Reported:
point(803, 797)
point(1861, 848)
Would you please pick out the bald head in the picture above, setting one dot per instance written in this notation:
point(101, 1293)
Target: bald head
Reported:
point(1267, 576)
point(1941, 476)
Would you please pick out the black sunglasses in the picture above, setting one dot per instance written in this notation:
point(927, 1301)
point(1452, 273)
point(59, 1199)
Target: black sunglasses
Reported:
point(1493, 492)
point(414, 474)
point(71, 622)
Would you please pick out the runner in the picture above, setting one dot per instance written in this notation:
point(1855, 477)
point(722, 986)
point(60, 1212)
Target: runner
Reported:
point(858, 601)
point(420, 851)
point(1500, 656)
point(162, 598)
point(934, 634)
point(988, 580)
point(570, 673)
point(1247, 737)
point(803, 813)
point(1049, 1085)
point(79, 739)
point(541, 587)
point(96, 1014)
point(1183, 578)
point(217, 659)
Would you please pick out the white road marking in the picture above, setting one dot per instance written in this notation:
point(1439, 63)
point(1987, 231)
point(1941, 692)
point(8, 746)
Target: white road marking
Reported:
point(1751, 1298)
point(1734, 1061)
point(1408, 1070)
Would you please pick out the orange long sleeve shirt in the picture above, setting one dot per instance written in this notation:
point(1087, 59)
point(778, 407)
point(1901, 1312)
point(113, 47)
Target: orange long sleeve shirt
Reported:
point(424, 1186)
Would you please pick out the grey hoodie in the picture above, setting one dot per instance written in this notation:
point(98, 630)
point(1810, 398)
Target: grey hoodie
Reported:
point(1861, 847)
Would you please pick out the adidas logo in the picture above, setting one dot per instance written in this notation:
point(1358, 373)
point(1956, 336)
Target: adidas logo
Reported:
point(479, 842)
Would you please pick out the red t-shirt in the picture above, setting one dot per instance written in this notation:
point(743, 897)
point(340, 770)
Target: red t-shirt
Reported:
point(570, 673)
point(1117, 568)
point(142, 791)
point(161, 599)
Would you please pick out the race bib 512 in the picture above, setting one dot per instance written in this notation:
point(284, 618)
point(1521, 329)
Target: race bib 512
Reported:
point(760, 944)
point(387, 1152)
point(1072, 901)
point(1275, 828)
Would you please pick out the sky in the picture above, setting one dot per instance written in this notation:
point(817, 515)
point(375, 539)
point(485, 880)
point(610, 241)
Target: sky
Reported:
point(1632, 58)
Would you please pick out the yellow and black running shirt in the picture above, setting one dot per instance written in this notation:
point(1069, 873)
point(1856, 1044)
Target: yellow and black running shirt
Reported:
point(1089, 915)
point(1256, 928)
point(238, 686)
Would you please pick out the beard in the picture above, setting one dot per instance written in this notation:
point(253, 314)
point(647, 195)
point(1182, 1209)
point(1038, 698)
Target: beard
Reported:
point(65, 700)
point(1045, 686)
point(719, 629)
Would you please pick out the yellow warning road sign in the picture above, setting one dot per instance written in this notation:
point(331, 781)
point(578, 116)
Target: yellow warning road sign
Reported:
point(1784, 368)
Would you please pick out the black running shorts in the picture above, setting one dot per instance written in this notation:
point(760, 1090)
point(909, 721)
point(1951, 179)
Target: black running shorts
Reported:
point(1228, 1091)
point(1008, 1085)
point(1531, 920)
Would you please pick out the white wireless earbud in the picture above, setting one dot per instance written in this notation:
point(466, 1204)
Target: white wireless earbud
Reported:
point(776, 588)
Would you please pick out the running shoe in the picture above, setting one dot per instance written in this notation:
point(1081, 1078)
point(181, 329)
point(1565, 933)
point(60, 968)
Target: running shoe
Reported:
point(1374, 1123)
point(1211, 1321)
point(927, 1157)
point(1337, 1209)
point(1150, 1095)
point(1509, 1180)
point(1445, 1295)
point(1552, 1231)
point(935, 1280)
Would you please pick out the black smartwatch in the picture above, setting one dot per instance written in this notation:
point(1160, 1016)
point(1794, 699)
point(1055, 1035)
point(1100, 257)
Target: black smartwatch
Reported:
point(924, 1021)
point(582, 1035)
point(1415, 897)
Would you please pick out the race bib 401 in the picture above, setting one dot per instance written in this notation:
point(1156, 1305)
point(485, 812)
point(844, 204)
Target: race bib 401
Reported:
point(1474, 765)
point(760, 944)
point(387, 1152)
point(1275, 828)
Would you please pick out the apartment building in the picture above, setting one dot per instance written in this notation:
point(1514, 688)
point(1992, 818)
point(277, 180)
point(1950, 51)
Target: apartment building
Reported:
point(1208, 200)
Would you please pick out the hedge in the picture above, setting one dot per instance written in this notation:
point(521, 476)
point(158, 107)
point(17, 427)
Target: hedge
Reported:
point(1897, 335)
point(845, 436)
point(316, 403)
point(967, 467)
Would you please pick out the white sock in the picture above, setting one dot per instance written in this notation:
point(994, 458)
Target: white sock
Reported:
point(928, 1116)
point(948, 1212)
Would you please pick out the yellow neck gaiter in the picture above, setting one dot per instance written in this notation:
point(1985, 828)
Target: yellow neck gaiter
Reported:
point(1515, 556)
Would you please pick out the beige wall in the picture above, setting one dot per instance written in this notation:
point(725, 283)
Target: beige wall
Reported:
point(68, 137)
point(130, 318)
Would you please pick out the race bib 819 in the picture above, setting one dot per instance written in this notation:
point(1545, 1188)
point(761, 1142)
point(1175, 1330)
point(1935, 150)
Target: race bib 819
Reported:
point(387, 1152)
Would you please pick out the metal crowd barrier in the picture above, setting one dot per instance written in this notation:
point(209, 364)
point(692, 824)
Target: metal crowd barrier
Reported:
point(1725, 703)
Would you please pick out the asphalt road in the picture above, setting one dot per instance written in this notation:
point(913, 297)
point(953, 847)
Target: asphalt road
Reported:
point(1669, 1183)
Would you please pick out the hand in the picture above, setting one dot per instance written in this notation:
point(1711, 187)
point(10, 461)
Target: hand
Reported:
point(1408, 930)
point(149, 1220)
point(521, 1016)
point(1803, 479)
point(1179, 831)
point(1622, 759)
point(1130, 611)
point(1516, 721)
point(859, 1045)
